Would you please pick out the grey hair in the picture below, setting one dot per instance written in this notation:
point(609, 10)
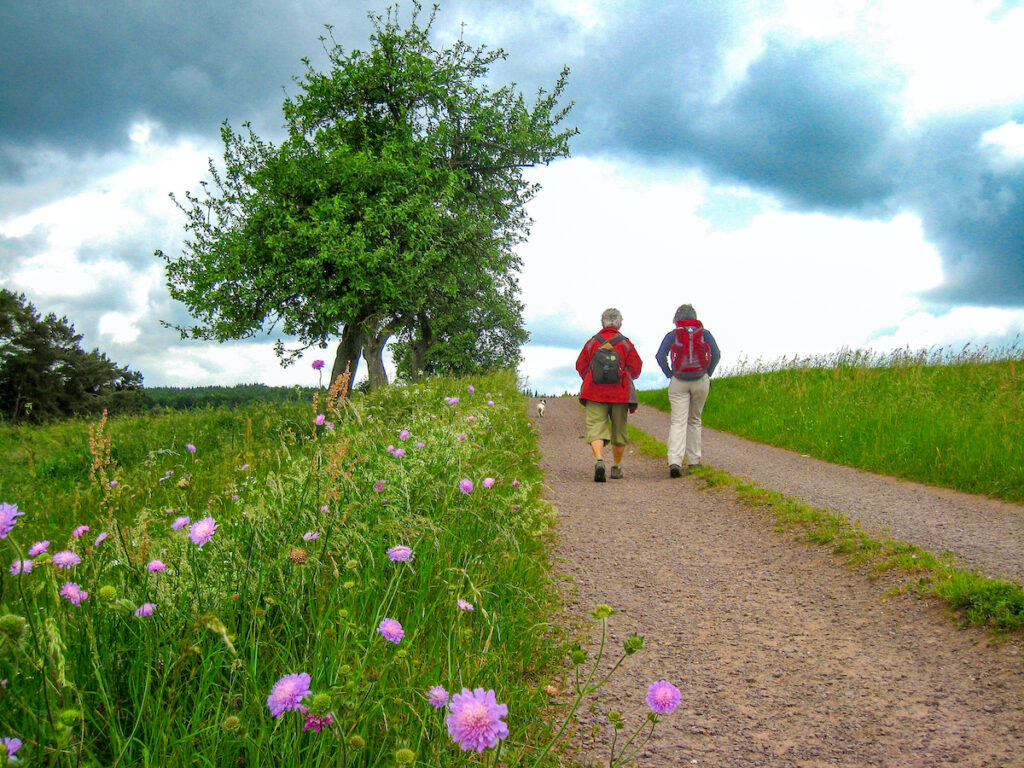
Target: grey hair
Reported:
point(686, 312)
point(611, 317)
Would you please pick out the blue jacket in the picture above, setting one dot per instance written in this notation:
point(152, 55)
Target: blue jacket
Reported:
point(662, 356)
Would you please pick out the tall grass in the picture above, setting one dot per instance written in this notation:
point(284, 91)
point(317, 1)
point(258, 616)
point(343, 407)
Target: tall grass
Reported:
point(295, 579)
point(948, 420)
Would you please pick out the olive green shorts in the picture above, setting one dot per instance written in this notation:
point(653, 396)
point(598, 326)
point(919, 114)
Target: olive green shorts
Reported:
point(607, 421)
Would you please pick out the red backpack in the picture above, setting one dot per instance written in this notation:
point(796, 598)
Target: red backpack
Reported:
point(689, 352)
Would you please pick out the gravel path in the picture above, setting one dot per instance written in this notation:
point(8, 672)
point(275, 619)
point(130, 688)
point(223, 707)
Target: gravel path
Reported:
point(985, 534)
point(785, 656)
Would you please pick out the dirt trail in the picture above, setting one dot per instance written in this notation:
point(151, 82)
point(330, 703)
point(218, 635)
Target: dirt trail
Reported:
point(984, 534)
point(785, 657)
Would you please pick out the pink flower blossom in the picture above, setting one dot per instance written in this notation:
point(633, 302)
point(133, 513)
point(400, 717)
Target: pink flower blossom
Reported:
point(403, 435)
point(65, 559)
point(288, 693)
point(318, 364)
point(516, 483)
point(466, 485)
point(180, 522)
point(38, 548)
point(73, 592)
point(329, 426)
point(490, 402)
point(20, 566)
point(317, 722)
point(113, 483)
point(320, 419)
point(437, 696)
point(155, 566)
point(461, 437)
point(471, 419)
point(399, 453)
point(463, 605)
point(663, 697)
point(470, 389)
point(474, 719)
point(310, 536)
point(421, 445)
point(391, 630)
point(101, 538)
point(378, 486)
point(13, 745)
point(8, 513)
point(325, 509)
point(190, 448)
point(488, 482)
point(146, 609)
point(243, 467)
point(202, 531)
point(79, 530)
point(400, 554)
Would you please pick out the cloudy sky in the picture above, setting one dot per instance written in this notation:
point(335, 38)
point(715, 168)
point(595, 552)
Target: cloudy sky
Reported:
point(809, 174)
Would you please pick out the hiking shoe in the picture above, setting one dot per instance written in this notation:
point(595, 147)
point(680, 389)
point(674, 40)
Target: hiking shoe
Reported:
point(616, 472)
point(674, 470)
point(599, 471)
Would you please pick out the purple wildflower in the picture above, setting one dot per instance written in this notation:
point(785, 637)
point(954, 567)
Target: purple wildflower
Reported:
point(190, 448)
point(421, 445)
point(400, 554)
point(20, 566)
point(461, 437)
point(318, 364)
point(391, 450)
point(38, 548)
point(378, 486)
point(288, 693)
point(329, 426)
point(155, 566)
point(310, 536)
point(463, 605)
point(112, 483)
point(399, 453)
point(490, 402)
point(470, 389)
point(13, 745)
point(100, 539)
point(180, 522)
point(474, 720)
point(516, 483)
point(243, 467)
point(325, 509)
point(488, 482)
point(403, 435)
point(146, 609)
point(79, 530)
point(471, 419)
point(202, 531)
point(320, 419)
point(663, 697)
point(466, 485)
point(7, 514)
point(65, 559)
point(73, 592)
point(391, 630)
point(437, 696)
point(315, 722)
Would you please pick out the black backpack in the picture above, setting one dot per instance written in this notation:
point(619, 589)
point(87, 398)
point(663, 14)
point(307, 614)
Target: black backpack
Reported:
point(606, 365)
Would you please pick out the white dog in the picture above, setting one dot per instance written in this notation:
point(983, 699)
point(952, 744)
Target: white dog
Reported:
point(541, 406)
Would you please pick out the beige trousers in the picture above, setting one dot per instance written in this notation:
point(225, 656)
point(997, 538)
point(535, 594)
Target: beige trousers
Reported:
point(687, 399)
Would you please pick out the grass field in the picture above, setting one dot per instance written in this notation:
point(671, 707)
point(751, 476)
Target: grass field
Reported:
point(165, 642)
point(955, 422)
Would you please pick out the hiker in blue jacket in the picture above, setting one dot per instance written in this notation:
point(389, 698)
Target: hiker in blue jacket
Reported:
point(687, 356)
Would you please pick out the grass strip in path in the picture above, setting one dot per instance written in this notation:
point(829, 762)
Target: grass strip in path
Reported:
point(985, 601)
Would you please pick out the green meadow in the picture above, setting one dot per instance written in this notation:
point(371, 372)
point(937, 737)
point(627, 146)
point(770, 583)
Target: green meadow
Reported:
point(956, 422)
point(230, 553)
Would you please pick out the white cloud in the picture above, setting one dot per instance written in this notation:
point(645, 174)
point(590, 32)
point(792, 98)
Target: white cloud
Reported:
point(959, 326)
point(1005, 145)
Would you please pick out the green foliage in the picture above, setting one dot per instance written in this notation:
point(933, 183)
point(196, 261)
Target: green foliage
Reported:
point(392, 205)
point(182, 398)
point(45, 373)
point(956, 424)
point(97, 684)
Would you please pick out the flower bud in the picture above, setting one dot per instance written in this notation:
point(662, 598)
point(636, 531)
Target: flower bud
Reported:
point(614, 715)
point(405, 757)
point(12, 626)
point(356, 742)
point(602, 611)
point(577, 655)
point(70, 717)
point(108, 593)
point(348, 584)
point(633, 644)
point(231, 724)
point(297, 555)
point(321, 704)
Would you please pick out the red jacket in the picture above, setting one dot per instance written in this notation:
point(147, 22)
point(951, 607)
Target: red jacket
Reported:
point(608, 393)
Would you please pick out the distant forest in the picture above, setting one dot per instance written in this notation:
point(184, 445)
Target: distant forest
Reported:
point(181, 398)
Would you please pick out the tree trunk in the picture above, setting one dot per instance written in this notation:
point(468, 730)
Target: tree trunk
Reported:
point(349, 349)
point(373, 348)
point(418, 350)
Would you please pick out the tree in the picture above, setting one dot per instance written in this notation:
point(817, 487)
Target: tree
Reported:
point(400, 174)
point(44, 372)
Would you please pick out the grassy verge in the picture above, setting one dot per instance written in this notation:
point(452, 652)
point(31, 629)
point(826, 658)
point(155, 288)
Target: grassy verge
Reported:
point(985, 601)
point(168, 648)
point(956, 425)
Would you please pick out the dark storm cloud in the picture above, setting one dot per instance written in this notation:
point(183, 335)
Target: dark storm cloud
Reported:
point(77, 74)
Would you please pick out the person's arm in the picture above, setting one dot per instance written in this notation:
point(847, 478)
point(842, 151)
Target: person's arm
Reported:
point(662, 355)
point(583, 361)
point(633, 362)
point(716, 355)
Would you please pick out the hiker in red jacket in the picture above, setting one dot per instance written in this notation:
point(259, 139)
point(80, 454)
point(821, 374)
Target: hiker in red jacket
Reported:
point(608, 364)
